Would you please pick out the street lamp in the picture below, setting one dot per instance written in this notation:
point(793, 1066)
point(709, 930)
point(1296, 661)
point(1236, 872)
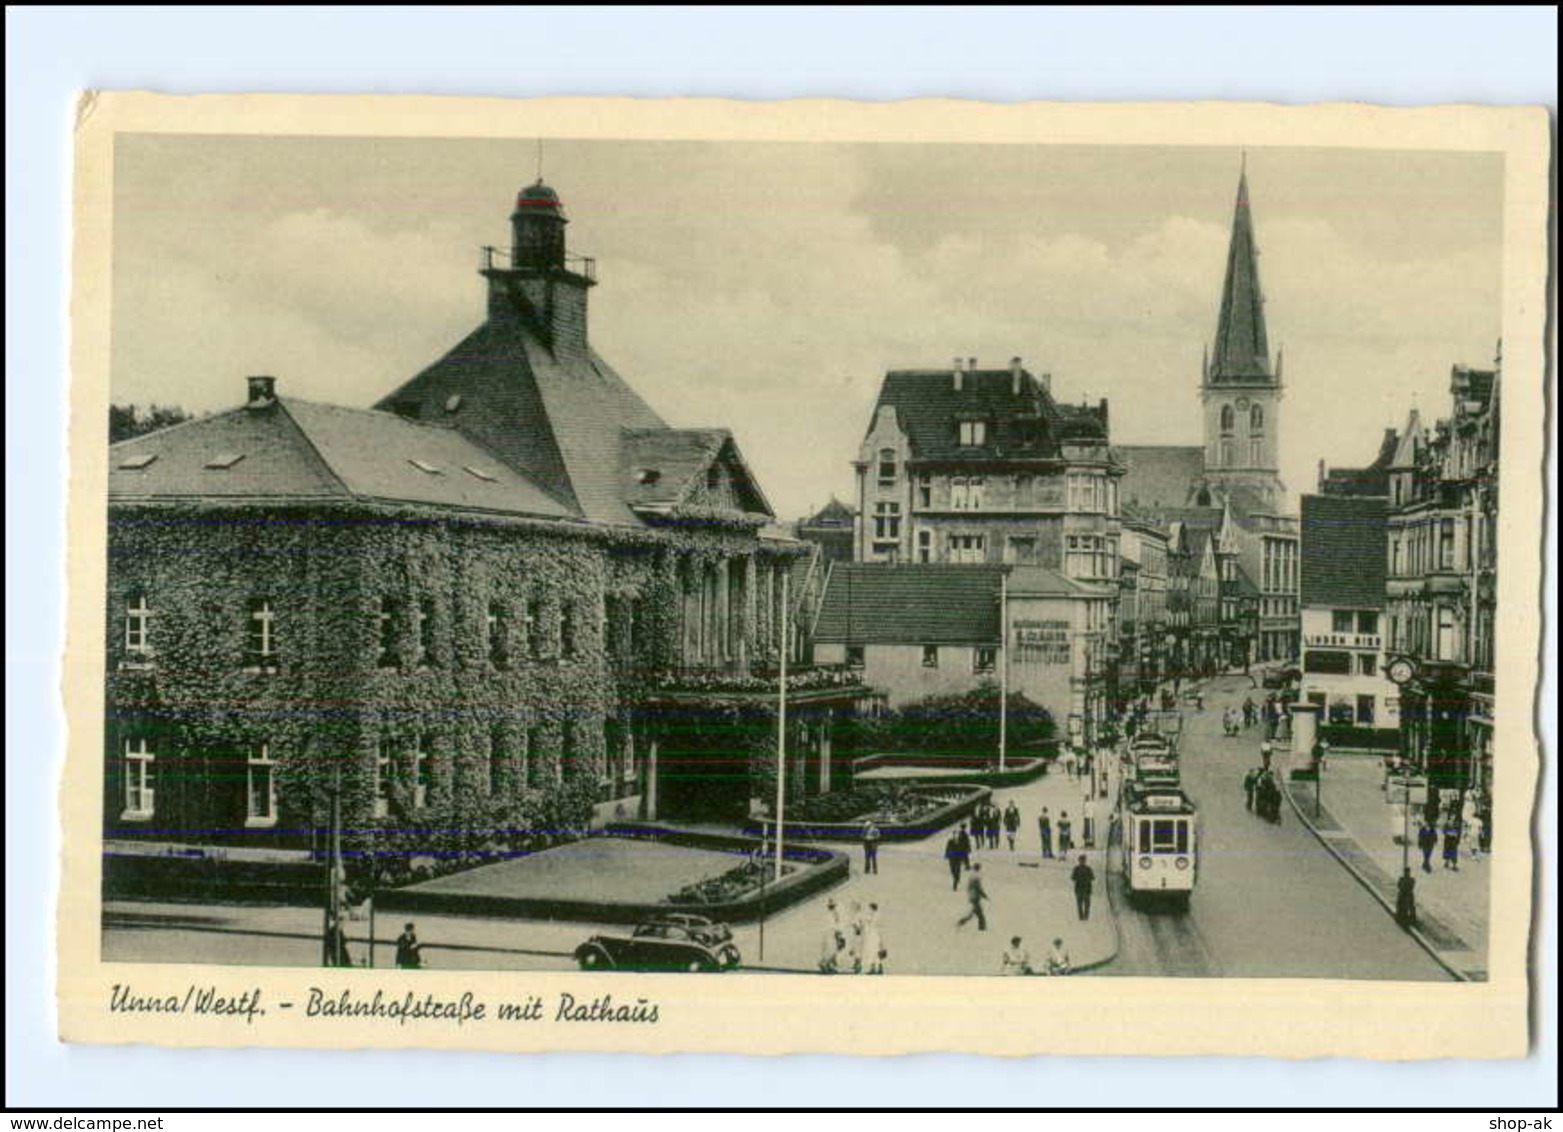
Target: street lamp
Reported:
point(1319, 754)
point(1401, 670)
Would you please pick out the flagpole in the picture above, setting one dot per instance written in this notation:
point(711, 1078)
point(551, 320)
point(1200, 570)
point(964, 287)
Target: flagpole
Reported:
point(1003, 668)
point(781, 727)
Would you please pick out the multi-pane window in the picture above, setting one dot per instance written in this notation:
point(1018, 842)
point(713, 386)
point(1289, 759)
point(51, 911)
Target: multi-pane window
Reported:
point(387, 628)
point(261, 785)
point(1342, 621)
point(1447, 649)
point(497, 632)
point(1228, 419)
point(1256, 419)
point(925, 491)
point(260, 640)
point(1367, 664)
point(1446, 544)
point(422, 771)
point(138, 624)
point(966, 548)
point(567, 641)
point(1367, 622)
point(925, 546)
point(533, 624)
point(1365, 711)
point(958, 493)
point(1085, 556)
point(384, 771)
point(496, 763)
point(887, 466)
point(423, 622)
point(930, 656)
point(887, 521)
point(984, 659)
point(139, 761)
point(856, 655)
point(973, 433)
point(974, 493)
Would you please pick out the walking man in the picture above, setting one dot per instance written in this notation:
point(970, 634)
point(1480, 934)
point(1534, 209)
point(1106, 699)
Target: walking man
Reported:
point(409, 952)
point(1011, 823)
point(963, 844)
point(1427, 841)
point(975, 895)
point(1083, 877)
point(870, 847)
point(952, 857)
point(1045, 828)
point(1065, 841)
point(1250, 784)
point(1452, 845)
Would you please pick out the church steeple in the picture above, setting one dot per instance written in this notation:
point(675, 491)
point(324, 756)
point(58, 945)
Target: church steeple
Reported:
point(1242, 354)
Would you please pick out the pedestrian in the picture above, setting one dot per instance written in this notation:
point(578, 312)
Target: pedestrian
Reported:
point(1248, 712)
point(952, 858)
point(409, 952)
point(337, 954)
point(854, 934)
point(1088, 823)
point(964, 841)
point(874, 953)
point(1045, 828)
point(1017, 960)
point(870, 847)
point(1058, 959)
point(1011, 823)
point(1065, 841)
point(1069, 762)
point(1266, 752)
point(1484, 825)
point(995, 824)
point(1452, 846)
point(1250, 783)
point(832, 942)
point(975, 895)
point(1083, 877)
point(1427, 841)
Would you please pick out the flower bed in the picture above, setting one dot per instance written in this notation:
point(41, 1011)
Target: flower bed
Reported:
point(902, 813)
point(734, 884)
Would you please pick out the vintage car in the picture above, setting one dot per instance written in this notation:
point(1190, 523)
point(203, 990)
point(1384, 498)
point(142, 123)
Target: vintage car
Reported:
point(671, 942)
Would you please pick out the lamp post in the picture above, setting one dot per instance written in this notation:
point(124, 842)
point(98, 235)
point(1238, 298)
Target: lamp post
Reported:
point(1401, 670)
point(1320, 752)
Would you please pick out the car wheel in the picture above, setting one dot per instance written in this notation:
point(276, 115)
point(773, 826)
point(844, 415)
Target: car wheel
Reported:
point(592, 960)
point(697, 965)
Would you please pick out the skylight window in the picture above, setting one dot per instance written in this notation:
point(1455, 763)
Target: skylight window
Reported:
point(648, 475)
point(480, 473)
point(224, 460)
point(426, 467)
point(453, 402)
point(136, 463)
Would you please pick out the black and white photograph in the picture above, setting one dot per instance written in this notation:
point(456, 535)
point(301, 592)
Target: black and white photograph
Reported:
point(805, 560)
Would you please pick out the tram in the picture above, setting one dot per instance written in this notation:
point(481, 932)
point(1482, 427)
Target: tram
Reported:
point(1159, 840)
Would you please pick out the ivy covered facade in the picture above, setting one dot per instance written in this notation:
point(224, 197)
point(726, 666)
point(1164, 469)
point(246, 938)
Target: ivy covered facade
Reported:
point(505, 603)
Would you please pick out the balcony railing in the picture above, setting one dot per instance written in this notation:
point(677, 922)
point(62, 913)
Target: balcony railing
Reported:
point(502, 259)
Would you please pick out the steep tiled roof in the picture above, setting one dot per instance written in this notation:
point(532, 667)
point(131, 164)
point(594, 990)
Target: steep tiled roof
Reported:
point(920, 604)
point(1371, 480)
point(833, 514)
point(1159, 476)
point(1019, 425)
point(1344, 541)
point(294, 450)
point(659, 463)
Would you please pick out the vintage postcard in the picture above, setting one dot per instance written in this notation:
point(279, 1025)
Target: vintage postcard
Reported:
point(803, 577)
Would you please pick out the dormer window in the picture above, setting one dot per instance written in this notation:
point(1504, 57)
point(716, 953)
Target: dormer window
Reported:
point(973, 433)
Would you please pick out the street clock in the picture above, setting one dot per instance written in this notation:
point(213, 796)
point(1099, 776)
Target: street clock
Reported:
point(1400, 671)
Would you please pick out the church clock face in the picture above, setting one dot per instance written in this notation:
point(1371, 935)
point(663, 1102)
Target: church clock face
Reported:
point(1242, 404)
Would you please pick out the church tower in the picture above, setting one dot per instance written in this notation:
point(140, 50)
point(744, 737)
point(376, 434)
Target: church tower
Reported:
point(1240, 388)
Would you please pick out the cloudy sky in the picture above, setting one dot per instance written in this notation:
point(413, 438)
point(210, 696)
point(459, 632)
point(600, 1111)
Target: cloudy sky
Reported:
point(767, 287)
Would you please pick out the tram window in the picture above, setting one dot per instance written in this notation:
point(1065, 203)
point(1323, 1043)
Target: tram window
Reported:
point(1145, 837)
point(1162, 838)
point(1183, 837)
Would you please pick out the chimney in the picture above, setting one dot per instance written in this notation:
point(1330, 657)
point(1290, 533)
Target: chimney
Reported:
point(1047, 383)
point(956, 369)
point(263, 391)
point(971, 365)
point(1014, 377)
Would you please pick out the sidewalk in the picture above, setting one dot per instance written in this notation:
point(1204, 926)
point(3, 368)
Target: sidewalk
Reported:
point(1029, 897)
point(1360, 829)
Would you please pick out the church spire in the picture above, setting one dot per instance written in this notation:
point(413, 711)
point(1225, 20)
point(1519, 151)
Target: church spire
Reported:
point(1242, 348)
